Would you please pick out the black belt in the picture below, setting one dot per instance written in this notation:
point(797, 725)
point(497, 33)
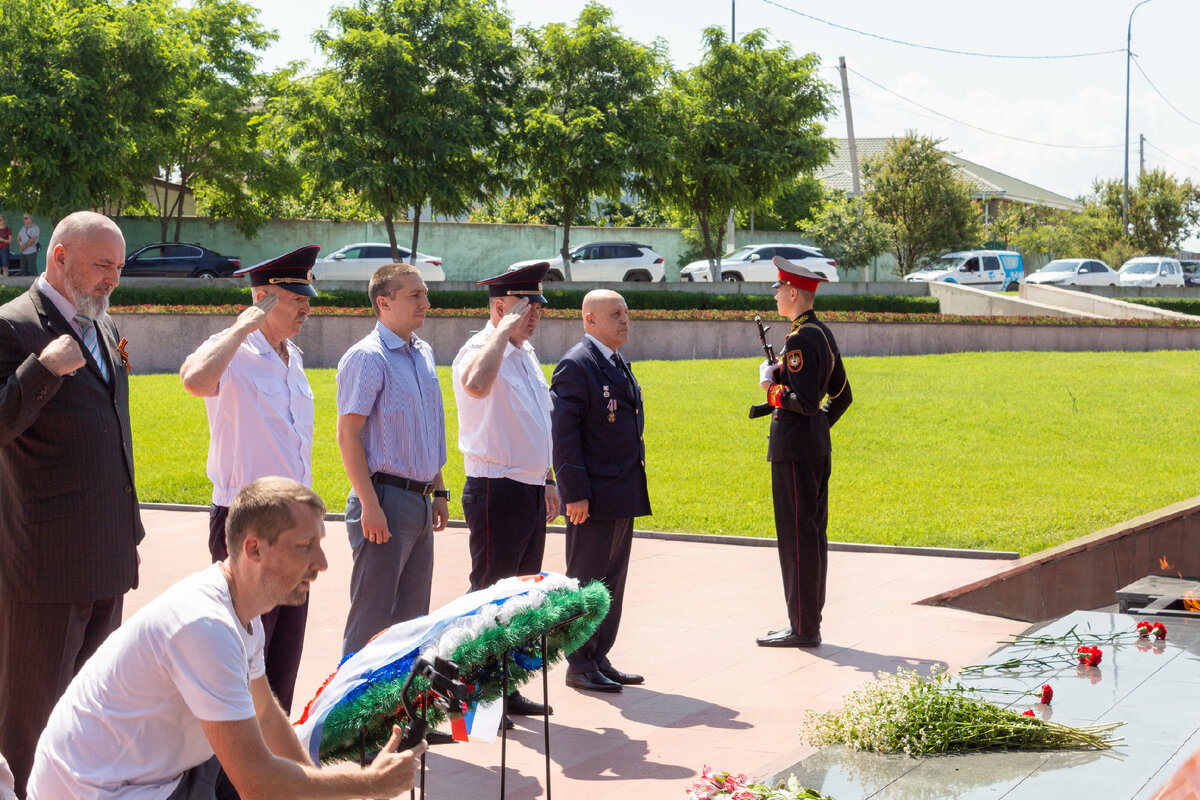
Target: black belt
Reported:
point(424, 488)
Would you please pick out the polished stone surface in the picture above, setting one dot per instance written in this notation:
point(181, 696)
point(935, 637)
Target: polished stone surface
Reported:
point(1152, 687)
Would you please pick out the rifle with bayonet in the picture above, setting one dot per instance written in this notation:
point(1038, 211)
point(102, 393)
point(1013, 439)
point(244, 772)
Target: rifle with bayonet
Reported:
point(763, 409)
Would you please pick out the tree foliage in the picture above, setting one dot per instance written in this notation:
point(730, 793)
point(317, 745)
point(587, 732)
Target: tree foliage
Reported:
point(82, 86)
point(588, 112)
point(928, 207)
point(847, 230)
point(740, 127)
point(410, 111)
point(1163, 210)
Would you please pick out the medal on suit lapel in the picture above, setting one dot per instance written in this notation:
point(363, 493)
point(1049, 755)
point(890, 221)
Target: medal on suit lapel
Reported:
point(612, 407)
point(606, 391)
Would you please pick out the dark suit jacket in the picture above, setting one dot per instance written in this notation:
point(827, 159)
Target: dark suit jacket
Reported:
point(815, 395)
point(69, 519)
point(598, 457)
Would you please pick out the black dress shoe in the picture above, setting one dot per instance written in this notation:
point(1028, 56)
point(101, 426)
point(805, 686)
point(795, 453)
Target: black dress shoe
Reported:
point(438, 737)
point(508, 723)
point(785, 638)
point(594, 681)
point(520, 704)
point(623, 678)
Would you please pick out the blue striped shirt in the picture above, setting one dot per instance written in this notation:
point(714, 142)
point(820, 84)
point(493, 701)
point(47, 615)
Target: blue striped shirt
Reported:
point(394, 384)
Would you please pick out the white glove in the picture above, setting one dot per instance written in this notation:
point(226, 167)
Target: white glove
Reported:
point(766, 372)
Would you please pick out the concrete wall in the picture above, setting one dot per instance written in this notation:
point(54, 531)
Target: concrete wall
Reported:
point(1096, 304)
point(967, 301)
point(160, 342)
point(1087, 572)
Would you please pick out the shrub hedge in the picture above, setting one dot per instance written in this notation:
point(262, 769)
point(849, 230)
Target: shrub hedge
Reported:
point(559, 298)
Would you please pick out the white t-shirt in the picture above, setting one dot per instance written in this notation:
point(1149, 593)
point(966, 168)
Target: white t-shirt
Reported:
point(129, 724)
point(260, 421)
point(507, 433)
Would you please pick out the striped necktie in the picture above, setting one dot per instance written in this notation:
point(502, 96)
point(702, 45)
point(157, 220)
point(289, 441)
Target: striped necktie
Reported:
point(93, 344)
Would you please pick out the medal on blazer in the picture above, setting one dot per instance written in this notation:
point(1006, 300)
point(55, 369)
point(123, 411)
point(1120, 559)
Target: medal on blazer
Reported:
point(612, 408)
point(606, 391)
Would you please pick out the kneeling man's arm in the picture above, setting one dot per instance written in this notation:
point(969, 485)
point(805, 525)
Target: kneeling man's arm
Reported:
point(264, 759)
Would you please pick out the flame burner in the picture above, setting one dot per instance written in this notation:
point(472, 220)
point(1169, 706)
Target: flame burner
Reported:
point(1160, 596)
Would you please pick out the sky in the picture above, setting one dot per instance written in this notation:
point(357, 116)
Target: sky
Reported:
point(1054, 122)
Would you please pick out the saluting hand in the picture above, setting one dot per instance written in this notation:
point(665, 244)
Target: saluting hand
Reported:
point(252, 318)
point(514, 318)
point(62, 356)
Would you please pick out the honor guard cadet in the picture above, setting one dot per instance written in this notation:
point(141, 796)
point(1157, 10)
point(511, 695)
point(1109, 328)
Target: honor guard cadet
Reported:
point(808, 391)
point(260, 420)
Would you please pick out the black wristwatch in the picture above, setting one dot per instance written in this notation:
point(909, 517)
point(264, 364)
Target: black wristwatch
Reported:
point(444, 494)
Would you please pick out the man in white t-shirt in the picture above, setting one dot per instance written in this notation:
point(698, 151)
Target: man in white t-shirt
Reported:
point(183, 680)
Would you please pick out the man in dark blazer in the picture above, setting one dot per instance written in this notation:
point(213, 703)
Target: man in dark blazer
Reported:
point(600, 462)
point(69, 520)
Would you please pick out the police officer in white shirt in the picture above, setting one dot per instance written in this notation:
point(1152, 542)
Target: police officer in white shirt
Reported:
point(504, 434)
point(260, 420)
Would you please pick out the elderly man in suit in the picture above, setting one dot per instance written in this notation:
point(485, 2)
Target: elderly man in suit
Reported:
point(600, 462)
point(69, 520)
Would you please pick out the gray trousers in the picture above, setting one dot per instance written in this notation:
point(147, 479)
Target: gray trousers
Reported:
point(389, 582)
point(204, 782)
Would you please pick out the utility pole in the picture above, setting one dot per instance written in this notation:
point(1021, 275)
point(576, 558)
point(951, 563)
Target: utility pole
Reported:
point(1125, 154)
point(729, 222)
point(1141, 156)
point(849, 128)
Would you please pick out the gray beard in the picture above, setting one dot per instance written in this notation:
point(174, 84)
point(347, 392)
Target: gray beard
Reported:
point(94, 308)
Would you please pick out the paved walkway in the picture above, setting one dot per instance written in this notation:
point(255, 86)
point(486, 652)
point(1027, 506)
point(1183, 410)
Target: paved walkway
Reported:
point(692, 611)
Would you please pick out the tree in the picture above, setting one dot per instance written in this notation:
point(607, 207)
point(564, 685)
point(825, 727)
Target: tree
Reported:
point(912, 188)
point(209, 139)
point(1163, 210)
point(848, 231)
point(83, 83)
point(740, 127)
point(412, 106)
point(588, 112)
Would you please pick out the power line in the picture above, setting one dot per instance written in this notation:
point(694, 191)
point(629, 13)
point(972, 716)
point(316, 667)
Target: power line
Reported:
point(985, 130)
point(1138, 64)
point(1173, 158)
point(1005, 56)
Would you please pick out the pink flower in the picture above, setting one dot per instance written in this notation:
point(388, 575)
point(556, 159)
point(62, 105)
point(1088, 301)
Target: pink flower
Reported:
point(1047, 694)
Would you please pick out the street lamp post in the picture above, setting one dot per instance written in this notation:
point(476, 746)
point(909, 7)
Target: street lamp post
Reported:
point(1128, 63)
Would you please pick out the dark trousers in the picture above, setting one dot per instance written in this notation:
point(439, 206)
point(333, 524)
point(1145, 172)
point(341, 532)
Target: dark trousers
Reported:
point(42, 647)
point(800, 490)
point(283, 627)
point(507, 520)
point(598, 550)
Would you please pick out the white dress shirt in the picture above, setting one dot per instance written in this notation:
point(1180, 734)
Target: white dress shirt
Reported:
point(507, 433)
point(260, 421)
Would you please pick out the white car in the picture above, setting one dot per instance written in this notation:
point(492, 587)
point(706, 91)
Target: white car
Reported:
point(358, 262)
point(995, 270)
point(1075, 272)
point(753, 263)
point(1151, 271)
point(603, 262)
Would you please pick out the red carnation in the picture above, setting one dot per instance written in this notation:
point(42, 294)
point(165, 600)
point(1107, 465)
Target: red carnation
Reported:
point(1144, 628)
point(1089, 656)
point(1047, 694)
point(1028, 713)
point(1160, 630)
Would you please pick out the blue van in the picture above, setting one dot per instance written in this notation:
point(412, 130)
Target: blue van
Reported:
point(996, 270)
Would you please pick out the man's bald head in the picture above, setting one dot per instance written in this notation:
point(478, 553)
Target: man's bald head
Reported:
point(606, 317)
point(87, 252)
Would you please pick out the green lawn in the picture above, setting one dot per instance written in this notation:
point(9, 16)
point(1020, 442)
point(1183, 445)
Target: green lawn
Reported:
point(1010, 451)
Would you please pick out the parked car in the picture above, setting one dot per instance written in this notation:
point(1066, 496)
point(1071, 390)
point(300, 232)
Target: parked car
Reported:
point(1151, 271)
point(1075, 272)
point(753, 263)
point(995, 270)
point(1191, 273)
point(605, 261)
point(178, 260)
point(358, 262)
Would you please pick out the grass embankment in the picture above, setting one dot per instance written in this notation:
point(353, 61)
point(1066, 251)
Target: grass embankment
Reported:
point(1009, 451)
